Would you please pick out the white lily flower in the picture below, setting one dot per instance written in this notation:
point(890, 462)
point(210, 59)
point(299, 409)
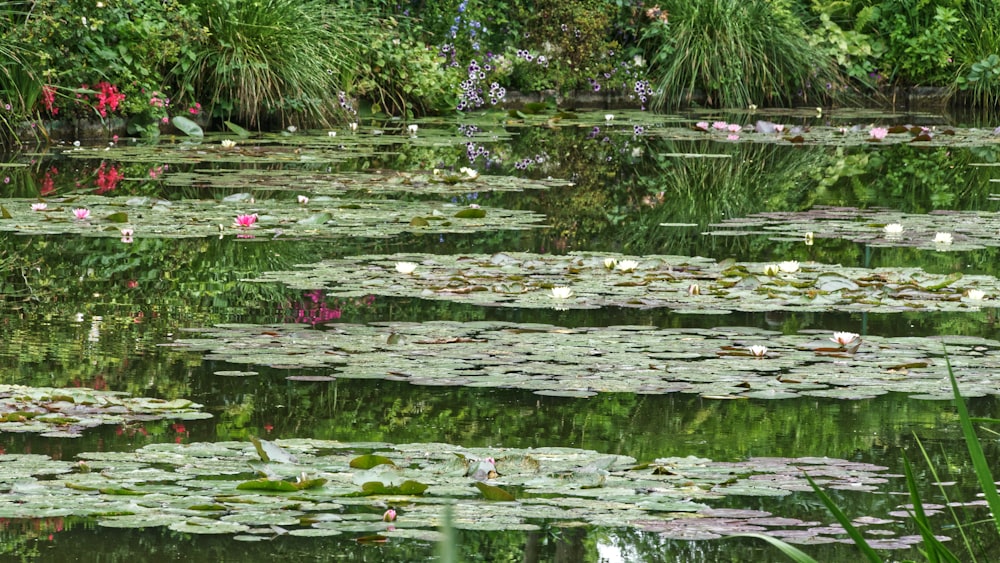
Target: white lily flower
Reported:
point(412, 128)
point(975, 294)
point(405, 267)
point(694, 289)
point(610, 263)
point(844, 338)
point(562, 292)
point(771, 270)
point(789, 266)
point(227, 143)
point(757, 350)
point(942, 238)
point(627, 265)
point(303, 199)
point(609, 116)
point(893, 229)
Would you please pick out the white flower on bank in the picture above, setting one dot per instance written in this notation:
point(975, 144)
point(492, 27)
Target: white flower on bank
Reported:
point(405, 267)
point(975, 294)
point(627, 265)
point(757, 350)
point(844, 338)
point(559, 292)
point(893, 229)
point(942, 238)
point(789, 266)
point(227, 143)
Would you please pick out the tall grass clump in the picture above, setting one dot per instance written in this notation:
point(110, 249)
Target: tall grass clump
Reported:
point(270, 60)
point(978, 76)
point(738, 53)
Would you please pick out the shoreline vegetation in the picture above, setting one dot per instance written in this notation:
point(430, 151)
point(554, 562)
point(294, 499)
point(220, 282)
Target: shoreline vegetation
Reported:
point(278, 63)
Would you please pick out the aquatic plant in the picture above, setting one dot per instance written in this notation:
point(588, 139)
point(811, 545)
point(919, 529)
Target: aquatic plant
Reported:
point(739, 53)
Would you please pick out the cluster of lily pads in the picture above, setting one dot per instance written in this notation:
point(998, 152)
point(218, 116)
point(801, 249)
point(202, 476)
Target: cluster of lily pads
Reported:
point(67, 412)
point(877, 227)
point(682, 283)
point(763, 131)
point(581, 362)
point(305, 487)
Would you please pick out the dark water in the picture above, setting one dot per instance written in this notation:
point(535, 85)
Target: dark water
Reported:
point(146, 294)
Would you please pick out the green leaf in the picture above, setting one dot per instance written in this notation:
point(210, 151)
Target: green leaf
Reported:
point(4, 214)
point(419, 222)
point(859, 540)
point(408, 487)
point(119, 217)
point(267, 485)
point(471, 213)
point(187, 126)
point(370, 460)
point(243, 133)
point(269, 451)
point(317, 219)
point(794, 553)
point(494, 493)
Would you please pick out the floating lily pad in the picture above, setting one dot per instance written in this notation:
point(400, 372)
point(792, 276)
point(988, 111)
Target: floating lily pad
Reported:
point(67, 412)
point(647, 497)
point(527, 281)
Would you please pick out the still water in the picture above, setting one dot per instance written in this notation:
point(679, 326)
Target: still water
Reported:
point(97, 312)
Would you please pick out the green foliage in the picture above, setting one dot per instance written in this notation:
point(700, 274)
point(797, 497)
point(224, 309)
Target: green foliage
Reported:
point(741, 53)
point(978, 76)
point(269, 60)
point(401, 76)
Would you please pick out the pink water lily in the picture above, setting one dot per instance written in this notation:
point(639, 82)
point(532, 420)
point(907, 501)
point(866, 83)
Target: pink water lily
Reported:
point(844, 338)
point(81, 213)
point(245, 221)
point(39, 206)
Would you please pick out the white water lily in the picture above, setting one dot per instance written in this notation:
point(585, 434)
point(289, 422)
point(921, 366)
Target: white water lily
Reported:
point(694, 289)
point(562, 292)
point(609, 116)
point(809, 239)
point(757, 350)
point(627, 265)
point(942, 238)
point(975, 294)
point(405, 267)
point(893, 229)
point(412, 128)
point(610, 263)
point(469, 172)
point(844, 338)
point(292, 128)
point(227, 143)
point(771, 270)
point(353, 126)
point(331, 133)
point(788, 266)
point(303, 199)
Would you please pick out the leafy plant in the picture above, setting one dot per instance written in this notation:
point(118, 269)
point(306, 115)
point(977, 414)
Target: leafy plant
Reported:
point(273, 59)
point(740, 53)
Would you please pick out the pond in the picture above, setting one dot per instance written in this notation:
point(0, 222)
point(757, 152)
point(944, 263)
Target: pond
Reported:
point(572, 336)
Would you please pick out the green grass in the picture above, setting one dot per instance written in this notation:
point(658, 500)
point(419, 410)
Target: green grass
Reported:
point(265, 60)
point(740, 53)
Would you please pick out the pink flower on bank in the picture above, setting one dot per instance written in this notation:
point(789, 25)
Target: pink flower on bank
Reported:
point(81, 213)
point(878, 133)
point(245, 221)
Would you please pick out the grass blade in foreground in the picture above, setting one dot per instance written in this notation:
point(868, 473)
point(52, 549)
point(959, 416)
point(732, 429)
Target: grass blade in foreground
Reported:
point(934, 550)
point(855, 534)
point(794, 553)
point(976, 451)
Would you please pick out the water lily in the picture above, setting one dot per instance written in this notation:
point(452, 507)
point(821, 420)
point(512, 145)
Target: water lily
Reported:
point(627, 265)
point(734, 128)
point(694, 289)
point(771, 270)
point(702, 125)
point(292, 128)
point(809, 239)
point(757, 350)
point(733, 137)
point(719, 125)
point(303, 199)
point(610, 263)
point(789, 266)
point(412, 128)
point(39, 206)
point(609, 116)
point(878, 133)
point(353, 126)
point(331, 133)
point(127, 232)
point(893, 229)
point(562, 292)
point(227, 143)
point(942, 238)
point(405, 267)
point(389, 516)
point(469, 172)
point(81, 213)
point(245, 221)
point(844, 338)
point(127, 240)
point(975, 294)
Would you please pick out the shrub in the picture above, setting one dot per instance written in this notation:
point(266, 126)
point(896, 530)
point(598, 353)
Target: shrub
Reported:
point(740, 53)
point(269, 59)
